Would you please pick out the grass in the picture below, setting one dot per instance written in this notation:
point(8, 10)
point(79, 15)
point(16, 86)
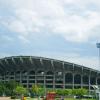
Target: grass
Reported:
point(77, 99)
point(58, 99)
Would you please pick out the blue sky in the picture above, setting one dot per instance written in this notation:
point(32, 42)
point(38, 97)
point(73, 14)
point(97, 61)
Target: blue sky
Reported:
point(61, 29)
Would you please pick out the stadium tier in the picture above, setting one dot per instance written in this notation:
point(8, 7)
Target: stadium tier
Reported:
point(51, 73)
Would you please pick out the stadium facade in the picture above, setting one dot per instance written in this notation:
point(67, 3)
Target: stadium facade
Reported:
point(51, 73)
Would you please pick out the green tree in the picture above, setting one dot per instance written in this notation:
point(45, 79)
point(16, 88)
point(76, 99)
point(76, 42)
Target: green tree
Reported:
point(82, 92)
point(38, 89)
point(20, 90)
point(63, 91)
point(10, 87)
point(74, 91)
point(35, 89)
point(59, 92)
point(7, 88)
point(79, 92)
point(2, 88)
point(67, 92)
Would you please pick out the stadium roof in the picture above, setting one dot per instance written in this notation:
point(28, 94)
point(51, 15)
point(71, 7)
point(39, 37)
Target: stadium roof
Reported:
point(14, 63)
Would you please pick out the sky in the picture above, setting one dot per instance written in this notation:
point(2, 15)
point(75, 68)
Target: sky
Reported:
point(61, 29)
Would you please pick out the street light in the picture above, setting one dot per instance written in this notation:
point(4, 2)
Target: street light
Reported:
point(42, 73)
point(98, 46)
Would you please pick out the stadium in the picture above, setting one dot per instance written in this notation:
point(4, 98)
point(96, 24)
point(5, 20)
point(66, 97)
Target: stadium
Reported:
point(51, 73)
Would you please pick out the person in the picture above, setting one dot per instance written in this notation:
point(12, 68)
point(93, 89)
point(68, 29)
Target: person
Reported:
point(62, 98)
point(23, 98)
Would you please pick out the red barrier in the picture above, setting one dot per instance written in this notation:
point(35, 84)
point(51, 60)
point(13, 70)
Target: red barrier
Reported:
point(50, 96)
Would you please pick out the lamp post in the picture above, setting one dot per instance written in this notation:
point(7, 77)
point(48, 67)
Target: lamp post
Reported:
point(98, 46)
point(42, 73)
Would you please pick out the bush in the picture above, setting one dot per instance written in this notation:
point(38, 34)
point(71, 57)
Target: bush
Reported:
point(13, 97)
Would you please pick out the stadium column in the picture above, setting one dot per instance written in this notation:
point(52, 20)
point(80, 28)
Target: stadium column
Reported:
point(96, 79)
point(63, 77)
point(45, 82)
point(89, 81)
point(43, 74)
point(14, 76)
point(7, 76)
point(73, 80)
point(27, 80)
point(52, 64)
point(54, 81)
point(63, 80)
point(35, 78)
point(73, 76)
point(20, 77)
point(82, 81)
point(4, 77)
point(82, 78)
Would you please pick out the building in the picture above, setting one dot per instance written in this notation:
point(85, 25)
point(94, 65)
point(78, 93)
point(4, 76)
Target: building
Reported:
point(51, 73)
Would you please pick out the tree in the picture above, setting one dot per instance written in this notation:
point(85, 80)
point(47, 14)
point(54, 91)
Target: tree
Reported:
point(63, 91)
point(74, 91)
point(79, 92)
point(2, 88)
point(67, 92)
point(10, 87)
point(20, 90)
point(82, 92)
point(12, 84)
point(7, 88)
point(59, 92)
point(38, 89)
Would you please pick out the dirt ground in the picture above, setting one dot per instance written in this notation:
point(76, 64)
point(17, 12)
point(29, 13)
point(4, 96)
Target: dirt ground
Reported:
point(5, 98)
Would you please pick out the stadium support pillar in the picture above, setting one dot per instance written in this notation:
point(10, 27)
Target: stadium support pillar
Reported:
point(63, 76)
point(73, 80)
point(45, 85)
point(54, 81)
point(73, 77)
point(4, 78)
point(14, 76)
point(81, 81)
point(96, 81)
point(35, 80)
point(89, 84)
point(27, 81)
point(64, 80)
point(82, 78)
point(44, 81)
point(20, 77)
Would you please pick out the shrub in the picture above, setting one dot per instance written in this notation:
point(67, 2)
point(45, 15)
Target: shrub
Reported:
point(13, 97)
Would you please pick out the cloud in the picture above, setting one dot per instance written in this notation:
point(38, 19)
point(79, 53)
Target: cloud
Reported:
point(73, 20)
point(57, 16)
point(35, 22)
